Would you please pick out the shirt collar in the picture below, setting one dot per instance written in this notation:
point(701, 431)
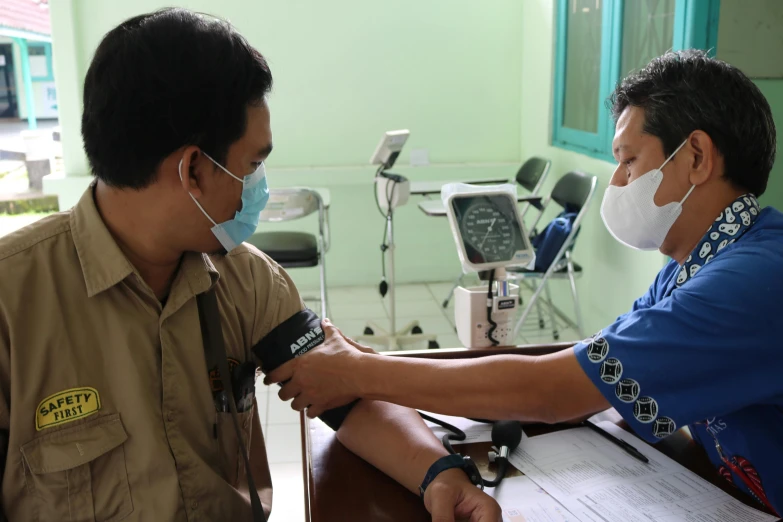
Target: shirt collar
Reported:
point(727, 228)
point(196, 275)
point(103, 262)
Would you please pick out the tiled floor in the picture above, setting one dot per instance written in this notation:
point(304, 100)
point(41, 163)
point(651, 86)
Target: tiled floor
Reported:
point(350, 309)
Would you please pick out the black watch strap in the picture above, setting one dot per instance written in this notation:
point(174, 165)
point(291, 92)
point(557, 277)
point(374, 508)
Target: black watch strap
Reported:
point(449, 462)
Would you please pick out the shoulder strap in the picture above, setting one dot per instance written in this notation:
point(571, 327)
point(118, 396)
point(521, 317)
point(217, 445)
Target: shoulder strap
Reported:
point(3, 453)
point(215, 350)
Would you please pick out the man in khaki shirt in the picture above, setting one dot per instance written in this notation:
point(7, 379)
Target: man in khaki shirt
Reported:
point(107, 403)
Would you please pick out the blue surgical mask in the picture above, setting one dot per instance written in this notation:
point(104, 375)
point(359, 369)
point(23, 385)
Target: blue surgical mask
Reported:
point(255, 194)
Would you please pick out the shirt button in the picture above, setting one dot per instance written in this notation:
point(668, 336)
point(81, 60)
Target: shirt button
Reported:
point(170, 416)
point(194, 505)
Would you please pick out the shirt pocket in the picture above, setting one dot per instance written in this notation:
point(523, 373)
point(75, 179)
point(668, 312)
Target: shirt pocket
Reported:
point(78, 474)
point(232, 462)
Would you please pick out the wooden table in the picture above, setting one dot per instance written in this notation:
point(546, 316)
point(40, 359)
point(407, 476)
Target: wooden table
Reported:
point(340, 486)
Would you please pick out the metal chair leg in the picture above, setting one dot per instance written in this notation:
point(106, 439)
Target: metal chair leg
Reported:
point(529, 307)
point(322, 267)
point(579, 324)
point(555, 332)
point(457, 283)
point(540, 313)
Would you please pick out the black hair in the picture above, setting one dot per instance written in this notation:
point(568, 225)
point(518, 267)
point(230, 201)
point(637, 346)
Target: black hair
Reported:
point(684, 91)
point(164, 80)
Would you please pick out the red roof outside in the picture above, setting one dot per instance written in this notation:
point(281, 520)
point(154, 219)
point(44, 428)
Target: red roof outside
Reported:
point(26, 15)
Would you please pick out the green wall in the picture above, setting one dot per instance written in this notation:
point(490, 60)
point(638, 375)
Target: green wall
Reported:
point(749, 38)
point(773, 91)
point(346, 71)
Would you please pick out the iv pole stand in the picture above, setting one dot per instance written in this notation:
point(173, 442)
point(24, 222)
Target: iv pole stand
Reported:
point(411, 333)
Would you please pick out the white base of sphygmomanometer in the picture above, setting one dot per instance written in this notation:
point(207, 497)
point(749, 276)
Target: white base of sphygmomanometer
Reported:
point(392, 191)
point(395, 340)
point(470, 314)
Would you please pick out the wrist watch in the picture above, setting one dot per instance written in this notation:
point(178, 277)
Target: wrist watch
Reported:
point(455, 460)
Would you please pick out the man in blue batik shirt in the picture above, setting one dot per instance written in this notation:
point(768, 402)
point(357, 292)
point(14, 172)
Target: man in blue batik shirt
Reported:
point(695, 143)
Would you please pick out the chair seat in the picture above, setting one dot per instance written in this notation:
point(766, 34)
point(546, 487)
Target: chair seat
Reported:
point(288, 249)
point(520, 270)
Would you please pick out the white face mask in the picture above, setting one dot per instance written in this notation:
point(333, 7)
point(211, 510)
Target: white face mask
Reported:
point(631, 215)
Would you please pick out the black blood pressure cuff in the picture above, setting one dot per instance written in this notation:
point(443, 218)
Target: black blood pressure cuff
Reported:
point(292, 338)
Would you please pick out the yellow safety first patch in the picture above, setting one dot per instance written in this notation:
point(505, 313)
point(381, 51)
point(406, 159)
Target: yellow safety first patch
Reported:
point(67, 406)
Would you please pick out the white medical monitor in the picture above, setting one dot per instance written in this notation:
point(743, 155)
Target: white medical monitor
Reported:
point(389, 147)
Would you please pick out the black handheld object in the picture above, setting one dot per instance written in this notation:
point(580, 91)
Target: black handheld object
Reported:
point(292, 338)
point(506, 433)
point(635, 453)
point(506, 436)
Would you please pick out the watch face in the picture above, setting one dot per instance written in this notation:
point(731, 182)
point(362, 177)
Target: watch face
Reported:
point(488, 228)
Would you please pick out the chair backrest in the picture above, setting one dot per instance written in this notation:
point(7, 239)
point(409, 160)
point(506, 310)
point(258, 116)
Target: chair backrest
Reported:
point(287, 204)
point(574, 190)
point(532, 173)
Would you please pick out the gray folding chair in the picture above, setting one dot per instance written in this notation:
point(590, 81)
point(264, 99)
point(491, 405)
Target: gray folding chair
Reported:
point(292, 249)
point(573, 192)
point(530, 176)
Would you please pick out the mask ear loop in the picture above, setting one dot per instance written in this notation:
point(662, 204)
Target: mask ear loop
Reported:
point(179, 170)
point(669, 159)
point(222, 167)
point(688, 194)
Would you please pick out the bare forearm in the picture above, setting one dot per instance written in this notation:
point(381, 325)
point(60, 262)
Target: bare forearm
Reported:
point(542, 389)
point(393, 439)
point(487, 387)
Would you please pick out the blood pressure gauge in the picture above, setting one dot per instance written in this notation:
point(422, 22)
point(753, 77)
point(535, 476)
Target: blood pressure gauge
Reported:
point(488, 229)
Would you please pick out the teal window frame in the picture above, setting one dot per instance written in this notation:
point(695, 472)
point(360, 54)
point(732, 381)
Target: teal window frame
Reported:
point(695, 26)
point(48, 52)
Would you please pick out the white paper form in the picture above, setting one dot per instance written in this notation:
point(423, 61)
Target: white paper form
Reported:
point(474, 431)
point(523, 501)
point(599, 482)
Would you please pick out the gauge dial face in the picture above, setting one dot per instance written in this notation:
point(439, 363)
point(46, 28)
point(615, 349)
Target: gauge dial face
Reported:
point(489, 230)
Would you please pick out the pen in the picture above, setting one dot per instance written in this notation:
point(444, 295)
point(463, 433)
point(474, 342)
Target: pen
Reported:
point(624, 445)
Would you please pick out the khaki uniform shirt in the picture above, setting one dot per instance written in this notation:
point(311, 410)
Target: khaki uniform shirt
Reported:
point(106, 393)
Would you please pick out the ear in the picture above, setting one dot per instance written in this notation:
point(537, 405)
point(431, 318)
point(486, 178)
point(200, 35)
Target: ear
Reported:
point(702, 159)
point(190, 168)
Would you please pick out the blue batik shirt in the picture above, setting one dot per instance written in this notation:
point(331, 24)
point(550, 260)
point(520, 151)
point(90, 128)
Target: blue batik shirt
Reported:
point(703, 349)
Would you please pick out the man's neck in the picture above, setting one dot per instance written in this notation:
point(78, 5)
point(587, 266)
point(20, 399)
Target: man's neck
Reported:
point(691, 227)
point(137, 235)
